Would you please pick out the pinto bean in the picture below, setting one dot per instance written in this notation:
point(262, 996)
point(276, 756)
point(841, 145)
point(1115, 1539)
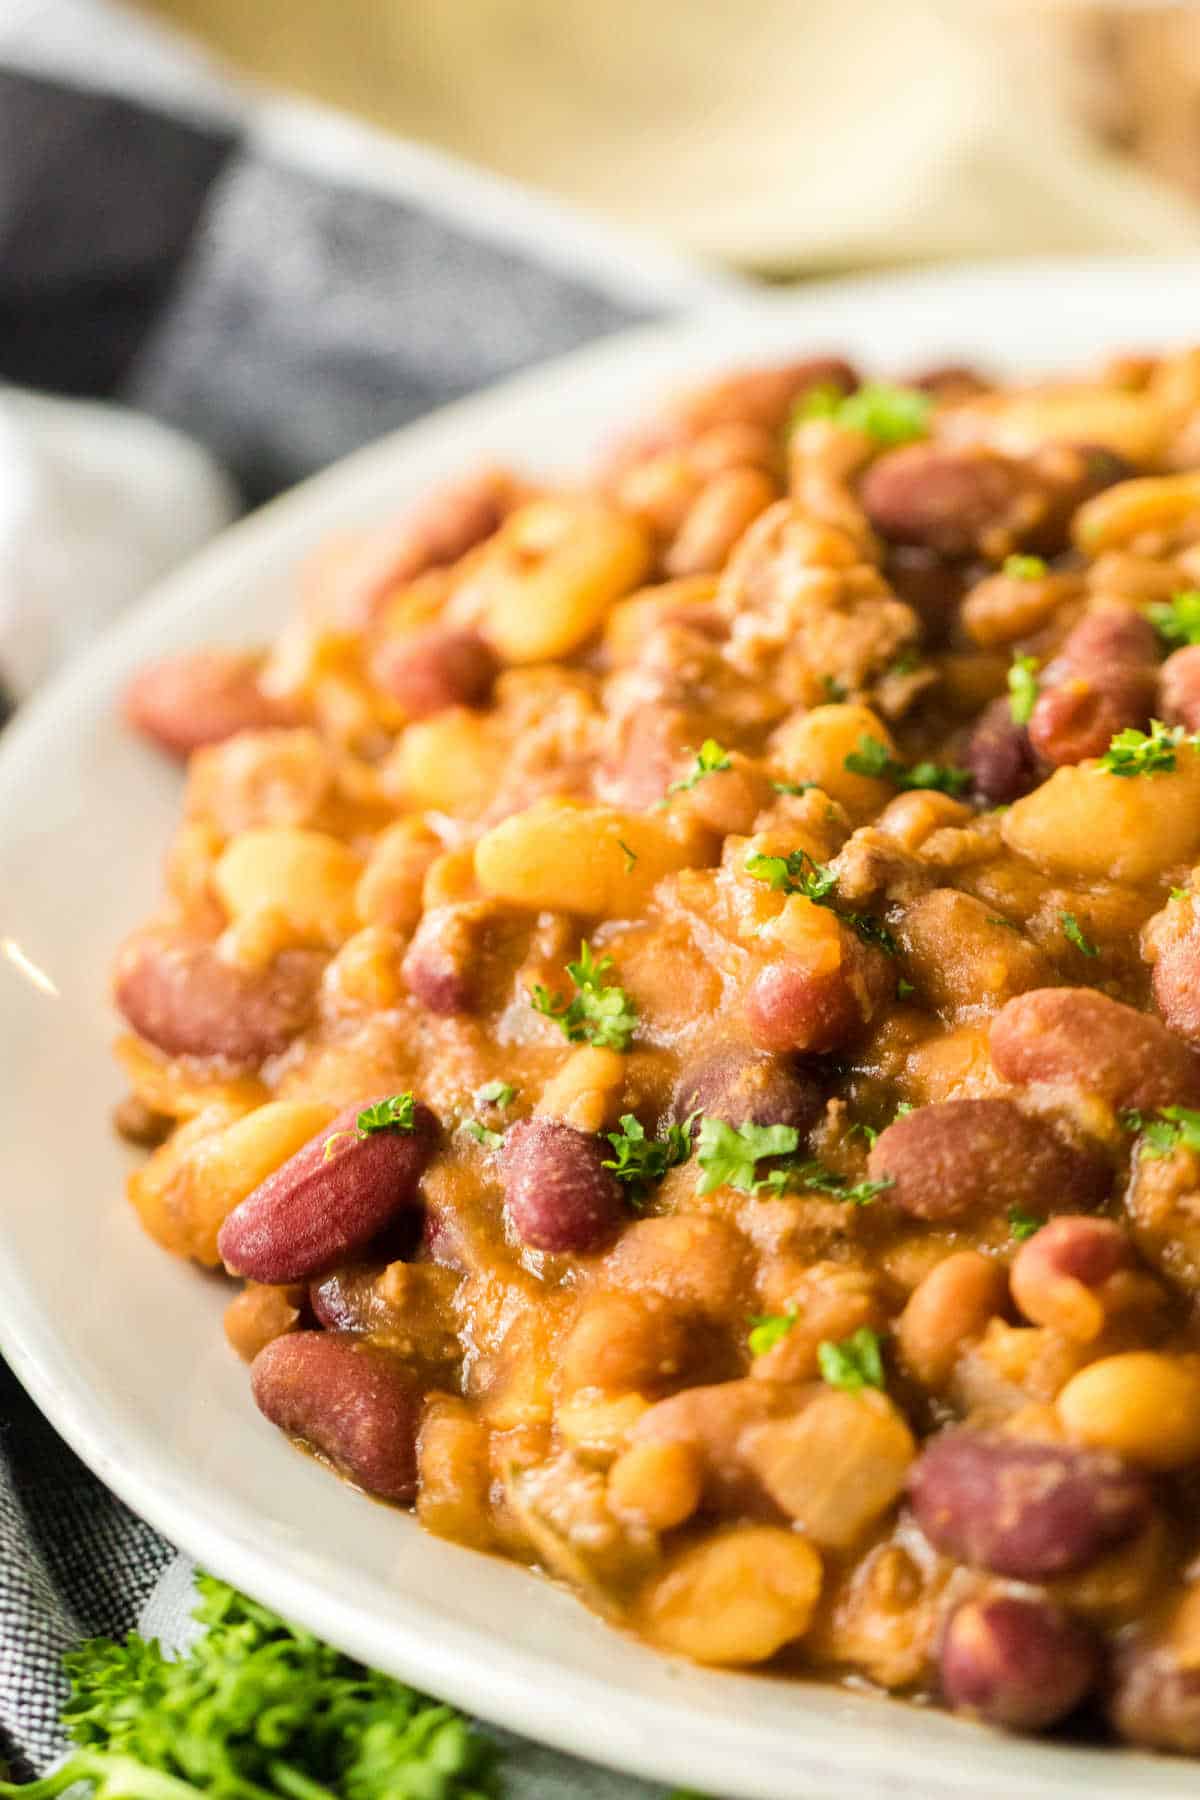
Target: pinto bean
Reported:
point(1078, 1038)
point(962, 1156)
point(716, 519)
point(737, 1085)
point(1179, 688)
point(946, 1310)
point(1024, 1509)
point(1102, 680)
point(356, 1405)
point(201, 697)
point(1058, 1277)
point(427, 671)
point(1017, 1662)
point(818, 1004)
point(1156, 1687)
point(959, 501)
point(328, 1200)
point(438, 965)
point(559, 1196)
point(1000, 756)
point(1172, 940)
point(181, 995)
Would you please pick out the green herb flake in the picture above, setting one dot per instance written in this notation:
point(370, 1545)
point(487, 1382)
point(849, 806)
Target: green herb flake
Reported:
point(630, 856)
point(815, 1176)
point(903, 1107)
point(904, 989)
point(853, 1364)
point(711, 758)
point(1022, 1225)
point(891, 415)
point(875, 759)
point(598, 1013)
point(796, 873)
point(396, 1113)
point(1024, 568)
point(495, 1093)
point(491, 1140)
point(769, 1329)
point(793, 787)
point(1134, 752)
point(1023, 688)
point(727, 1155)
point(906, 663)
point(1177, 620)
point(1178, 893)
point(640, 1161)
point(1073, 932)
point(1175, 1128)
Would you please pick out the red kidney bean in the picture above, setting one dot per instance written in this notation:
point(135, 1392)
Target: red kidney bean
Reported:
point(932, 586)
point(734, 1084)
point(650, 740)
point(1179, 688)
point(791, 1007)
point(181, 995)
point(323, 1205)
point(1000, 756)
point(962, 1156)
point(439, 966)
point(559, 1196)
point(959, 501)
point(1076, 1037)
point(1102, 680)
point(201, 697)
point(1077, 1249)
point(430, 670)
point(353, 1403)
point(1024, 1509)
point(1017, 1662)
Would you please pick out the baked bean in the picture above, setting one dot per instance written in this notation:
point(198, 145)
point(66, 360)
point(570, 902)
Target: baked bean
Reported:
point(736, 1084)
point(622, 1343)
point(1000, 756)
point(389, 892)
point(1016, 1661)
point(202, 697)
point(1171, 940)
point(307, 879)
point(815, 746)
point(1024, 1509)
point(947, 1309)
point(561, 857)
point(698, 1262)
point(1156, 1687)
point(1103, 679)
point(1078, 1038)
point(1179, 688)
point(761, 397)
point(714, 1421)
point(1139, 515)
point(429, 670)
point(258, 1315)
point(956, 1157)
point(1086, 824)
point(328, 1200)
point(1059, 1276)
point(716, 519)
point(183, 996)
point(1002, 609)
point(355, 1404)
point(963, 959)
point(735, 1598)
point(821, 1001)
point(446, 763)
point(959, 501)
point(1142, 1404)
point(559, 1196)
point(656, 1485)
point(441, 964)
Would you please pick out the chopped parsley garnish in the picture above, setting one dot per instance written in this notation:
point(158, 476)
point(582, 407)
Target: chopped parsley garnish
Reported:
point(630, 856)
point(495, 1093)
point(1177, 620)
point(727, 1155)
point(854, 1363)
point(833, 689)
point(905, 663)
point(867, 1132)
point(875, 759)
point(1073, 932)
point(491, 1140)
point(1134, 752)
point(799, 873)
point(711, 758)
point(1022, 1225)
point(769, 1329)
point(839, 1187)
point(904, 989)
point(891, 415)
point(1023, 688)
point(639, 1160)
point(393, 1114)
point(597, 1013)
point(1181, 893)
point(872, 931)
point(1008, 924)
point(1024, 568)
point(1175, 1128)
point(793, 787)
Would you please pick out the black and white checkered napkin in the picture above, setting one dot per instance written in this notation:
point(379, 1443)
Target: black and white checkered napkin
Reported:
point(283, 285)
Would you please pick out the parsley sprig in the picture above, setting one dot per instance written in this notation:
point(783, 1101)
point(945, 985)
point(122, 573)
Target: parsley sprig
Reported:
point(799, 873)
point(1133, 752)
point(597, 1013)
point(1023, 1225)
point(256, 1709)
point(1175, 1128)
point(891, 415)
point(711, 758)
point(769, 1329)
point(874, 758)
point(393, 1114)
point(640, 1161)
point(854, 1363)
point(1024, 568)
point(1023, 688)
point(728, 1156)
point(1073, 932)
point(1177, 620)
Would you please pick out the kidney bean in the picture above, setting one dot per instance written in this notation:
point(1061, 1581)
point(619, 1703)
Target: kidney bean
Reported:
point(199, 698)
point(958, 500)
point(1156, 1683)
point(791, 1006)
point(436, 965)
point(1054, 1274)
point(353, 1403)
point(181, 995)
point(1102, 680)
point(559, 1196)
point(1076, 1037)
point(1024, 1509)
point(961, 1156)
point(1000, 756)
point(1017, 1662)
point(430, 670)
point(929, 584)
point(735, 1084)
point(316, 1210)
point(950, 382)
point(1179, 688)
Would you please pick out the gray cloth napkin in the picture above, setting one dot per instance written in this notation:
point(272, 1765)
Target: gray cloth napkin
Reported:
point(283, 286)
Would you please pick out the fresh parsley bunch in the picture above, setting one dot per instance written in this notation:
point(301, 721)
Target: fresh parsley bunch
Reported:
point(256, 1709)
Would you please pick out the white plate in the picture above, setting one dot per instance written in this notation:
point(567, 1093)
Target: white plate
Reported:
point(122, 1346)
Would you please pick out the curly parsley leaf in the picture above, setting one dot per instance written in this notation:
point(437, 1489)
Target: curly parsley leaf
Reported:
point(793, 787)
point(495, 1093)
point(640, 1161)
point(597, 1013)
point(256, 1709)
point(711, 758)
point(1177, 620)
point(1023, 688)
point(1024, 568)
point(1133, 752)
point(1175, 1128)
point(728, 1154)
point(1022, 1225)
point(854, 1363)
point(816, 1176)
point(769, 1329)
point(393, 1114)
point(890, 415)
point(1073, 932)
point(796, 873)
point(491, 1140)
point(875, 759)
